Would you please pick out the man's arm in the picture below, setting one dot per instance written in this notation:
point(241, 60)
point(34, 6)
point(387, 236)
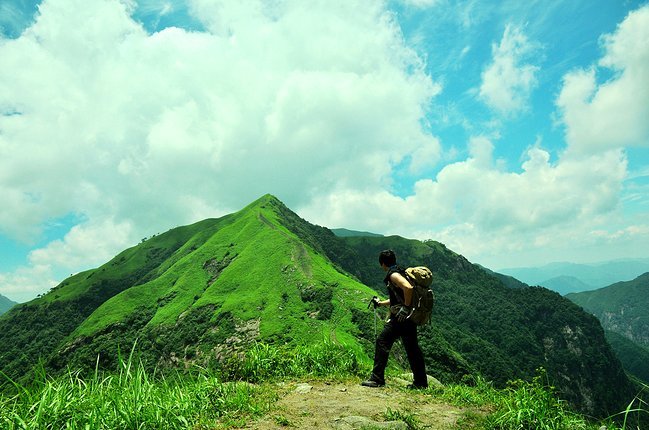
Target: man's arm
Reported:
point(401, 282)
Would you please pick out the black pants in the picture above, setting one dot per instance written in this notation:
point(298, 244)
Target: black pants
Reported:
point(392, 331)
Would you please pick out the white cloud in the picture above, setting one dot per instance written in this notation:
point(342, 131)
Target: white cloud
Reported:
point(84, 246)
point(425, 157)
point(84, 243)
point(99, 118)
point(488, 214)
point(612, 114)
point(508, 81)
point(139, 119)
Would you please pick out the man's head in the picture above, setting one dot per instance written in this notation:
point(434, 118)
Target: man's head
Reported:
point(387, 258)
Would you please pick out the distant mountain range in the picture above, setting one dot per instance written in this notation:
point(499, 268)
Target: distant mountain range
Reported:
point(6, 304)
point(199, 294)
point(566, 278)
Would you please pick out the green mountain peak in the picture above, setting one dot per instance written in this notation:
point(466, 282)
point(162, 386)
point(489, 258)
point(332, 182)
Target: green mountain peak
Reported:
point(266, 201)
point(201, 293)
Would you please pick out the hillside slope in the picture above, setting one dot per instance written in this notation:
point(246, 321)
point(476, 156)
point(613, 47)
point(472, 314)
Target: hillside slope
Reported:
point(634, 357)
point(34, 330)
point(622, 307)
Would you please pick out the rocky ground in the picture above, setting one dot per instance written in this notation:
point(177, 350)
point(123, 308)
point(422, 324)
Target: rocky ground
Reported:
point(348, 405)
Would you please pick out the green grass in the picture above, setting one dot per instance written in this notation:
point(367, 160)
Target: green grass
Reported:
point(244, 390)
point(637, 411)
point(531, 405)
point(133, 398)
point(267, 362)
point(406, 417)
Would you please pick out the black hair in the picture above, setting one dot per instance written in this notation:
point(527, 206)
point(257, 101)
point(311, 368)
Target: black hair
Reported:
point(388, 258)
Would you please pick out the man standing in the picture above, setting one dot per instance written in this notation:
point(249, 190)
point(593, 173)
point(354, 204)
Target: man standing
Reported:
point(398, 326)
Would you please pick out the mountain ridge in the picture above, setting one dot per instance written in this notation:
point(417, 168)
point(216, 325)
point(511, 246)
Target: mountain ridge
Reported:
point(593, 275)
point(566, 284)
point(197, 294)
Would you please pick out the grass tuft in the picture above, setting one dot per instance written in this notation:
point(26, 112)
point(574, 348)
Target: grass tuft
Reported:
point(263, 362)
point(407, 418)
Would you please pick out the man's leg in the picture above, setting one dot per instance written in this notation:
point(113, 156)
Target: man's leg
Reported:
point(415, 356)
point(384, 343)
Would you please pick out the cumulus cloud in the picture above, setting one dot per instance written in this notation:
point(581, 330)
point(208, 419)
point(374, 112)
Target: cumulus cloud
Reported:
point(508, 80)
point(611, 114)
point(85, 245)
point(100, 118)
point(487, 213)
point(128, 121)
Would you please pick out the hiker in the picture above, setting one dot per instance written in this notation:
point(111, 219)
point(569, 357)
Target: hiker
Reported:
point(397, 326)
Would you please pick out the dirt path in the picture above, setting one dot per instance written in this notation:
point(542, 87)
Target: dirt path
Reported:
point(344, 406)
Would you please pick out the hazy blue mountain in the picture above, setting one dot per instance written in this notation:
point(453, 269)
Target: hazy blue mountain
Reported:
point(508, 281)
point(565, 285)
point(5, 304)
point(596, 275)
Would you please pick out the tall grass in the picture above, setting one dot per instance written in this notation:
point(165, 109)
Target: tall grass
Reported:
point(533, 405)
point(636, 412)
point(133, 398)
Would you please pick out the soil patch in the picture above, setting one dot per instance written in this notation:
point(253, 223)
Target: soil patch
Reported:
point(348, 405)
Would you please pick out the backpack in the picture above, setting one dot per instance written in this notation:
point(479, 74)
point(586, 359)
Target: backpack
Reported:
point(423, 298)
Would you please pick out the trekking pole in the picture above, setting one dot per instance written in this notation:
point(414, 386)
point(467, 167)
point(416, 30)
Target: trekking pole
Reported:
point(376, 316)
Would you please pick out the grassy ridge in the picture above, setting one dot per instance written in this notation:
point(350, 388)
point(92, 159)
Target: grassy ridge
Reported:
point(270, 291)
point(250, 278)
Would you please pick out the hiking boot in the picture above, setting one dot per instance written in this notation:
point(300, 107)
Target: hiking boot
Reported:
point(372, 383)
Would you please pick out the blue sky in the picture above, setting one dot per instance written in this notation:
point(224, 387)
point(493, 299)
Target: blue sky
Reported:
point(515, 133)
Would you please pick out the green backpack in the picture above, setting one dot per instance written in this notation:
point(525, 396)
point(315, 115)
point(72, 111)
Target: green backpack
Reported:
point(423, 298)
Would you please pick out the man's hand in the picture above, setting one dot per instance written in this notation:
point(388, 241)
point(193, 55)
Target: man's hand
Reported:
point(374, 302)
point(403, 314)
